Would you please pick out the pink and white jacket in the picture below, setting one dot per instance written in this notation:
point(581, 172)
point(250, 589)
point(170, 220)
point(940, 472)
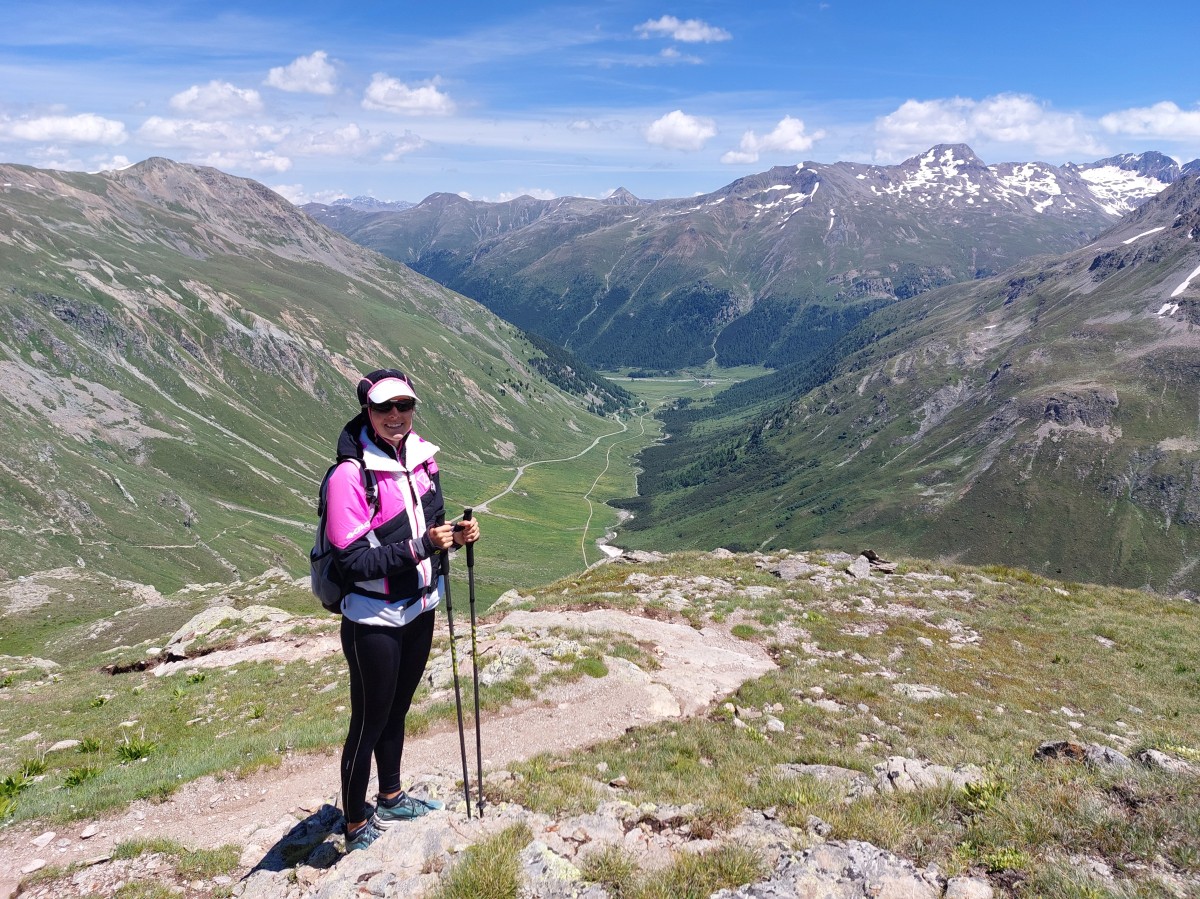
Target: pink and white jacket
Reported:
point(388, 555)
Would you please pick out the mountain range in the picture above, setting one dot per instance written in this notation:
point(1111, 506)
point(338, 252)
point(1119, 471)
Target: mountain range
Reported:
point(772, 269)
point(177, 348)
point(1046, 417)
point(178, 351)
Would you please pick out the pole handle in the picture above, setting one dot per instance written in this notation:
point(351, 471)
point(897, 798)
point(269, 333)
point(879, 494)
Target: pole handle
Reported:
point(467, 513)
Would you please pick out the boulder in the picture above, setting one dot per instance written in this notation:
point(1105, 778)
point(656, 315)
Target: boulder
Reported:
point(1093, 754)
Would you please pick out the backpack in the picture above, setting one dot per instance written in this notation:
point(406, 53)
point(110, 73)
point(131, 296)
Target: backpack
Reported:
point(326, 580)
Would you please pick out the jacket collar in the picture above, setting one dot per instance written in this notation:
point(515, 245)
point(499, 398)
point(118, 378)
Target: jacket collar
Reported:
point(417, 451)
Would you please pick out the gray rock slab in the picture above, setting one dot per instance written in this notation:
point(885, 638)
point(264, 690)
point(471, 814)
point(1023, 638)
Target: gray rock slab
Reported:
point(902, 775)
point(843, 870)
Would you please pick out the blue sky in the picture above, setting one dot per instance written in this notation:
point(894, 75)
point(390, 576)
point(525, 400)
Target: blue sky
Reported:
point(399, 100)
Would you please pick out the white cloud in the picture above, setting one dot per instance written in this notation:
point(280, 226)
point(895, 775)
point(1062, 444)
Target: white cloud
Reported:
point(672, 55)
point(212, 136)
point(312, 74)
point(85, 128)
point(403, 145)
point(298, 195)
point(392, 95)
point(679, 131)
point(692, 31)
point(113, 163)
point(1003, 118)
point(217, 99)
point(248, 161)
point(1165, 120)
point(788, 137)
point(349, 140)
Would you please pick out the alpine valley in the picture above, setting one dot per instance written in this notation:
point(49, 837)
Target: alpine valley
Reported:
point(984, 363)
point(1040, 409)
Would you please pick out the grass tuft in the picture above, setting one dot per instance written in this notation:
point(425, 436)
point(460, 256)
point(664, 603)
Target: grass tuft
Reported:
point(490, 869)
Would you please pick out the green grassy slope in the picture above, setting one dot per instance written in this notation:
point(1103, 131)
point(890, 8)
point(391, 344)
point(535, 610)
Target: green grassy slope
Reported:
point(178, 351)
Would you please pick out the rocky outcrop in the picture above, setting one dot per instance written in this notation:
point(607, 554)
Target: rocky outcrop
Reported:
point(844, 870)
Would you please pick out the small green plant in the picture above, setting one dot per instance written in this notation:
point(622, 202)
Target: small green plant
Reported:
point(82, 774)
point(1187, 752)
point(744, 631)
point(983, 796)
point(89, 746)
point(14, 784)
point(98, 701)
point(135, 748)
point(1006, 859)
point(197, 677)
point(591, 666)
point(31, 768)
point(8, 806)
point(257, 712)
point(6, 681)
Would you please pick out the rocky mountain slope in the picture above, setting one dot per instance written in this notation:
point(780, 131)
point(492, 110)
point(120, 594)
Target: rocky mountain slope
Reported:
point(1045, 418)
point(178, 349)
point(765, 724)
point(770, 269)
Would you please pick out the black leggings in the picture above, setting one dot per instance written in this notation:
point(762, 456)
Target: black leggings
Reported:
point(386, 664)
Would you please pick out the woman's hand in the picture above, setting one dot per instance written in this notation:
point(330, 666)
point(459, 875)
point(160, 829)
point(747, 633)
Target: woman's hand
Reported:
point(465, 532)
point(446, 536)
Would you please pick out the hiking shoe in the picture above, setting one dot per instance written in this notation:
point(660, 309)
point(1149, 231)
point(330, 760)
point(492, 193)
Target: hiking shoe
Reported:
point(402, 808)
point(363, 837)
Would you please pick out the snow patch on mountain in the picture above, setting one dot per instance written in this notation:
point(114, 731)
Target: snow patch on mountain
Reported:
point(1119, 190)
point(1137, 237)
point(1034, 182)
point(1187, 282)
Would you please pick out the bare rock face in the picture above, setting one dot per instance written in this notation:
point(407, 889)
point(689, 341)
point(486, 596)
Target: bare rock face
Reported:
point(843, 870)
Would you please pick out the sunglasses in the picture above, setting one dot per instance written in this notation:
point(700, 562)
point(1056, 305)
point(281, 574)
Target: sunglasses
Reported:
point(402, 405)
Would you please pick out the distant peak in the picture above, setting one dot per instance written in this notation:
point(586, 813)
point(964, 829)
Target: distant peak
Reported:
point(957, 155)
point(371, 204)
point(1150, 164)
point(622, 197)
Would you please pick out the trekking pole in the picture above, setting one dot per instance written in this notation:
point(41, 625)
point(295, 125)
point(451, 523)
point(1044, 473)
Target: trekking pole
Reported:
point(475, 668)
point(462, 740)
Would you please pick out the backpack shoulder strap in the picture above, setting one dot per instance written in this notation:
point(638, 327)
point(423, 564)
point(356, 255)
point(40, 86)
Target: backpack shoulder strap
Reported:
point(371, 486)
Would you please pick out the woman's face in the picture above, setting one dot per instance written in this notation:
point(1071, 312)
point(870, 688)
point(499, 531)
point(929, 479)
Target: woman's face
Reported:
point(393, 419)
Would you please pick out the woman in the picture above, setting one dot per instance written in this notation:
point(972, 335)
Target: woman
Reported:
point(390, 546)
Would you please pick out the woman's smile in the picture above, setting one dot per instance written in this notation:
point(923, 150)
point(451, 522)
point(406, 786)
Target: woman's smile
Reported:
point(391, 426)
